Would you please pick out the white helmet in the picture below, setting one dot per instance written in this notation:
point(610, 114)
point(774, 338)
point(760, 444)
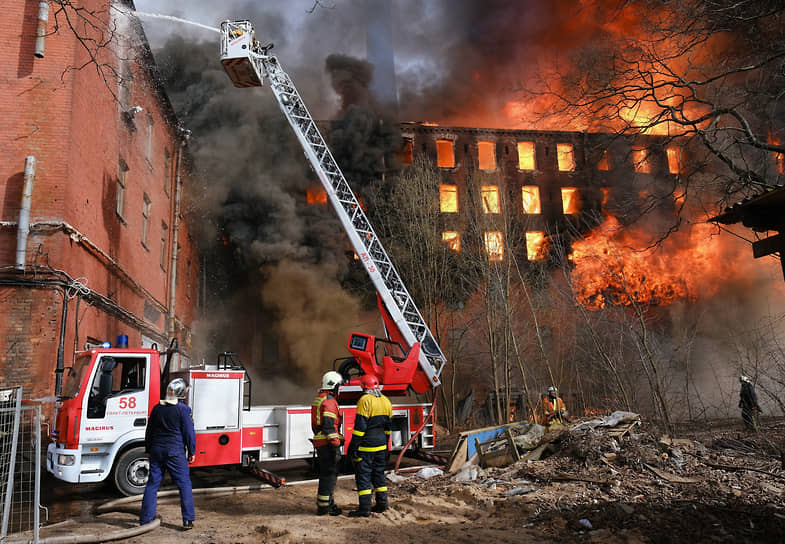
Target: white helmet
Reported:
point(176, 390)
point(331, 379)
point(553, 390)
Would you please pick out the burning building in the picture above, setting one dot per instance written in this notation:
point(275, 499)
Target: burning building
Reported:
point(555, 186)
point(95, 241)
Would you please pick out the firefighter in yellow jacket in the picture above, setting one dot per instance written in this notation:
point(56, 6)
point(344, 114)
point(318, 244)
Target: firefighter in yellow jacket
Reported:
point(553, 409)
point(368, 448)
point(327, 439)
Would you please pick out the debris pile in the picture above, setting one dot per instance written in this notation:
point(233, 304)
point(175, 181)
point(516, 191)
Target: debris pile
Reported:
point(619, 475)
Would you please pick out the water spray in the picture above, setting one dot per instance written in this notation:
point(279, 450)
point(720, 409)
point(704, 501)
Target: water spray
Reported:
point(175, 19)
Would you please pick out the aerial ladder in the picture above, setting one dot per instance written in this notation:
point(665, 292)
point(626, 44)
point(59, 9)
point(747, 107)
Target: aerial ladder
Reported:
point(248, 64)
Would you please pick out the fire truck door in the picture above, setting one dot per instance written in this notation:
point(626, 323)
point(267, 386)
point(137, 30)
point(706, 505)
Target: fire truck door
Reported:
point(117, 402)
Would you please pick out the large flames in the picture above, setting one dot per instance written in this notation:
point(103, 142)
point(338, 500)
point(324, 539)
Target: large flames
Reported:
point(611, 269)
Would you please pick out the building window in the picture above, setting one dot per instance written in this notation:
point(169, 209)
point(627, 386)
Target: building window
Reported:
point(148, 150)
point(453, 239)
point(494, 245)
point(146, 206)
point(486, 155)
point(570, 200)
point(122, 179)
point(126, 80)
point(448, 198)
point(565, 156)
point(526, 156)
point(531, 199)
point(167, 171)
point(535, 246)
point(674, 159)
point(490, 198)
point(605, 161)
point(445, 154)
point(640, 158)
point(315, 194)
point(164, 240)
point(406, 155)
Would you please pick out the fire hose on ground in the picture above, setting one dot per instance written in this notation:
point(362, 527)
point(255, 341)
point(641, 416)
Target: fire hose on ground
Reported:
point(118, 504)
point(209, 491)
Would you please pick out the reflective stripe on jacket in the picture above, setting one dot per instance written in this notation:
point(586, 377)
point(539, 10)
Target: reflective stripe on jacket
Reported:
point(372, 423)
point(553, 408)
point(326, 420)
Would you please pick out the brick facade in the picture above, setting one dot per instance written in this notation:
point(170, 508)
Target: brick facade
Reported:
point(92, 135)
point(603, 167)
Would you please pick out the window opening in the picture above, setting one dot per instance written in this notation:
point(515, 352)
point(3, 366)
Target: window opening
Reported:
point(526, 155)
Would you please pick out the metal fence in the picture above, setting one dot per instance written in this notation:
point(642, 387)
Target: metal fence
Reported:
point(20, 465)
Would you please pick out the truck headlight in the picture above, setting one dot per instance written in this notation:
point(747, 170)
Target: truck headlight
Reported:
point(66, 460)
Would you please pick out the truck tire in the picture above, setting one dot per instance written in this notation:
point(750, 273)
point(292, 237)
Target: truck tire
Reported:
point(131, 472)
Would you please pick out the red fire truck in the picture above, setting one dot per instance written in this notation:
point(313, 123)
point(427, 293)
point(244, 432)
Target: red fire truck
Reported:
point(109, 392)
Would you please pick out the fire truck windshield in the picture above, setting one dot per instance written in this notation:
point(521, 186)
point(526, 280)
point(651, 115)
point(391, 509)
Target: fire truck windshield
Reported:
point(73, 377)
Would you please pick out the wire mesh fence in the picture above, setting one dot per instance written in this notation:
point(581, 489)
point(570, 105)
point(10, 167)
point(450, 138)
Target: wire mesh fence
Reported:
point(20, 465)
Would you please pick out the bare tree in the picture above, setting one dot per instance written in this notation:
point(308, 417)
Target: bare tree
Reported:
point(102, 44)
point(406, 214)
point(706, 75)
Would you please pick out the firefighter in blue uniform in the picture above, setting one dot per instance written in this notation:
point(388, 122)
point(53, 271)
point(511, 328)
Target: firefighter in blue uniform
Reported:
point(327, 439)
point(368, 448)
point(170, 442)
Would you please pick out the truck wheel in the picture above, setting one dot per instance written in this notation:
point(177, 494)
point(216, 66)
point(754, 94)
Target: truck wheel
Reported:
point(131, 472)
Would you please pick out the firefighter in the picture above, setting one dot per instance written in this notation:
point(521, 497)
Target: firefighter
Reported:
point(368, 448)
point(553, 409)
point(748, 402)
point(327, 439)
point(170, 442)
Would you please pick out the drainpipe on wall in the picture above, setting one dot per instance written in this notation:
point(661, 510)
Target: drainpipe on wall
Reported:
point(172, 327)
point(40, 31)
point(24, 213)
point(60, 368)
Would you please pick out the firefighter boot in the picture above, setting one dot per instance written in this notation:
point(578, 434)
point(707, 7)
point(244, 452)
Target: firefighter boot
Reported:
point(331, 510)
point(365, 507)
point(381, 502)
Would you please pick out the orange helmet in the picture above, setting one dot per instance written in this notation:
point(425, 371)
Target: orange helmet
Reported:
point(369, 381)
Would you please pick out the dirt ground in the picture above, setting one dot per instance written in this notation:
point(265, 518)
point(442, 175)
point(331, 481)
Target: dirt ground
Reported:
point(718, 484)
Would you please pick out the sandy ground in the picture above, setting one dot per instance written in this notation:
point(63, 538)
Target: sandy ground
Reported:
point(589, 490)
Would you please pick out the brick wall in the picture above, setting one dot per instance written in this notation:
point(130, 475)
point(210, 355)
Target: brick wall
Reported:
point(72, 121)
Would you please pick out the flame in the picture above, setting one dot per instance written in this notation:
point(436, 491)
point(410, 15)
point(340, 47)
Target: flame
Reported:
point(610, 270)
point(494, 245)
point(605, 161)
point(779, 159)
point(565, 156)
point(445, 154)
point(535, 246)
point(571, 203)
point(316, 195)
point(406, 154)
point(448, 198)
point(453, 239)
point(531, 199)
point(490, 198)
point(526, 155)
point(486, 155)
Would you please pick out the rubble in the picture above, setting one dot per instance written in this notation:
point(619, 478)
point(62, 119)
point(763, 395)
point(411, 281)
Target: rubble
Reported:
point(619, 475)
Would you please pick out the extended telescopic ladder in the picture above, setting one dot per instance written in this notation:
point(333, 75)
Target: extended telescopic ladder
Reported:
point(248, 63)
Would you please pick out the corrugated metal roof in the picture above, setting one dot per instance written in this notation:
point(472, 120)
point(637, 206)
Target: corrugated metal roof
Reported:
point(762, 212)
